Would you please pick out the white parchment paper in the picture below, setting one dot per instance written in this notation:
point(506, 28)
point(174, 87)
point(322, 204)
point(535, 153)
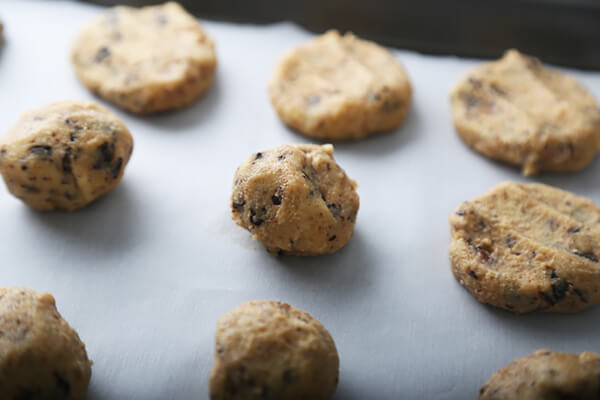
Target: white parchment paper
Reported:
point(144, 273)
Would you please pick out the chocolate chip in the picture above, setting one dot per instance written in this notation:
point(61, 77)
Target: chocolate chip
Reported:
point(553, 274)
point(104, 155)
point(313, 99)
point(580, 294)
point(331, 239)
point(24, 168)
point(238, 205)
point(276, 198)
point(574, 230)
point(72, 136)
point(334, 209)
point(257, 218)
point(258, 156)
point(116, 169)
point(63, 385)
point(288, 376)
point(473, 274)
point(510, 242)
point(31, 188)
point(66, 160)
point(102, 54)
point(590, 256)
point(41, 151)
point(460, 212)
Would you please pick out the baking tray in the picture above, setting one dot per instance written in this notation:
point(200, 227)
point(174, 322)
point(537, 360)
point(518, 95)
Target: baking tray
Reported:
point(564, 32)
point(144, 273)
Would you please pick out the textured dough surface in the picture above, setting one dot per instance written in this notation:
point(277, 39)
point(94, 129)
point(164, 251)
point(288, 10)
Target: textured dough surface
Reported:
point(64, 155)
point(295, 200)
point(528, 247)
point(546, 375)
point(269, 350)
point(145, 60)
point(340, 87)
point(520, 112)
point(41, 356)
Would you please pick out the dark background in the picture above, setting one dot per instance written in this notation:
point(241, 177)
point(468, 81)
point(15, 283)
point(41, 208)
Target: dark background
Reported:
point(564, 32)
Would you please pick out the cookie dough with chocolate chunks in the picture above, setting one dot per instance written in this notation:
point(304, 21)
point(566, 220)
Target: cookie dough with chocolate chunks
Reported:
point(295, 200)
point(546, 375)
point(64, 155)
point(145, 60)
point(41, 356)
point(340, 87)
point(518, 111)
point(528, 247)
point(267, 350)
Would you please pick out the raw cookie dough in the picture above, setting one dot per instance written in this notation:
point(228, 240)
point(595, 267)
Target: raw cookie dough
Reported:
point(517, 111)
point(546, 375)
point(340, 87)
point(267, 350)
point(528, 247)
point(145, 60)
point(295, 200)
point(41, 356)
point(64, 155)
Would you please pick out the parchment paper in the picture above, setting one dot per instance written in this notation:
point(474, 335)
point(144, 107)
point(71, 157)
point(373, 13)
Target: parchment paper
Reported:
point(144, 273)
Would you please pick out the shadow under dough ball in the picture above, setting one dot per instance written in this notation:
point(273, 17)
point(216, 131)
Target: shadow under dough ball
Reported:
point(528, 247)
point(517, 111)
point(145, 60)
point(340, 87)
point(64, 155)
point(267, 350)
point(546, 375)
point(295, 200)
point(41, 356)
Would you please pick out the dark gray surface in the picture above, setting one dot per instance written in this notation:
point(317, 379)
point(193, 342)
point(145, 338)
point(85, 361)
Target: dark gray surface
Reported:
point(144, 273)
point(564, 32)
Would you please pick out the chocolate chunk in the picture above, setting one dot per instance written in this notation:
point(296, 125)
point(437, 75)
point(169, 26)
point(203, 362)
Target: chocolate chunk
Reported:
point(102, 54)
point(41, 151)
point(116, 169)
point(313, 99)
point(559, 289)
point(258, 156)
point(276, 198)
point(473, 274)
point(460, 212)
point(281, 157)
point(331, 239)
point(580, 294)
point(574, 230)
point(24, 168)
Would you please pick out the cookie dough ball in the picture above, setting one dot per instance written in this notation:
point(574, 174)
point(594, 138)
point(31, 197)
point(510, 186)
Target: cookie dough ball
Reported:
point(64, 155)
point(267, 350)
point(145, 60)
point(340, 87)
point(528, 247)
point(546, 375)
point(41, 356)
point(517, 111)
point(295, 200)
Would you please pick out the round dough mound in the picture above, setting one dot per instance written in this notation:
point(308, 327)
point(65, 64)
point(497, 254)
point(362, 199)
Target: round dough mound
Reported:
point(546, 375)
point(517, 111)
point(295, 200)
point(269, 350)
point(528, 247)
point(64, 155)
point(41, 356)
point(340, 87)
point(145, 60)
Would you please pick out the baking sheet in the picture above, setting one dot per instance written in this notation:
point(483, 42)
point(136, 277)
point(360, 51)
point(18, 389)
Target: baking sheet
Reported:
point(144, 273)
